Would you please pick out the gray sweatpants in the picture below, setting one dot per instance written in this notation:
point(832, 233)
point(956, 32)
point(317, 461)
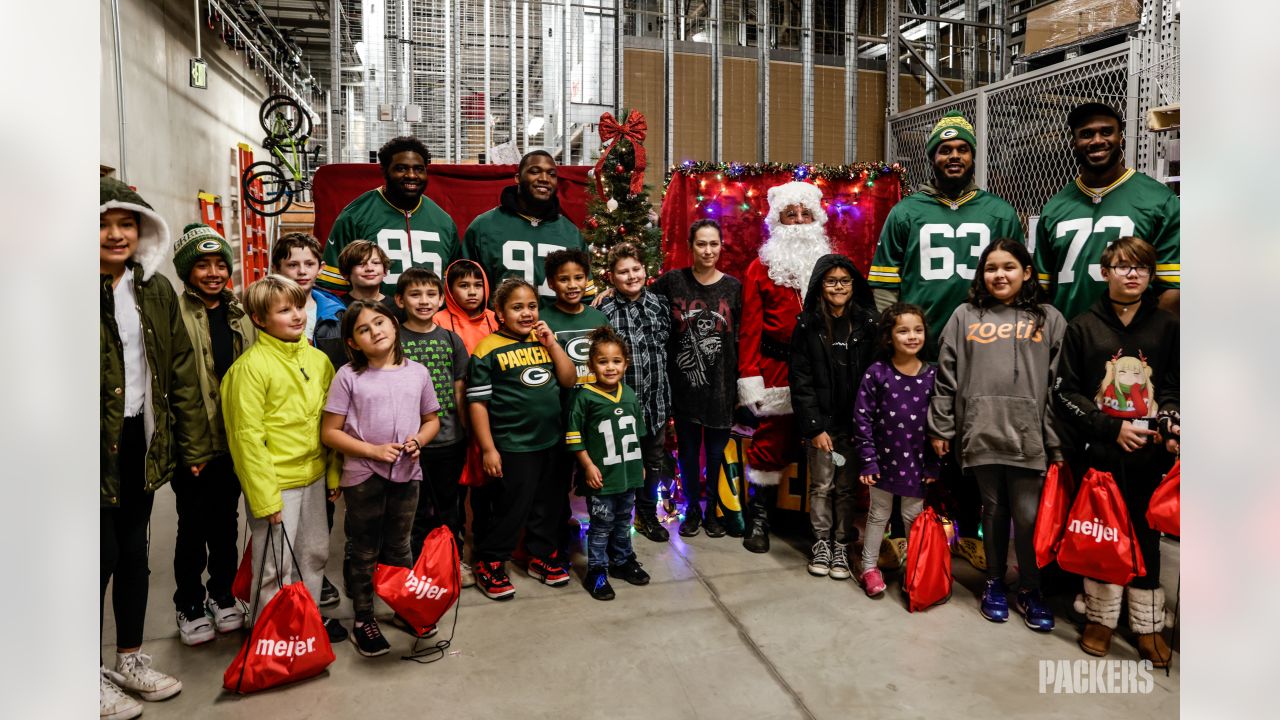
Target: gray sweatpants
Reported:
point(305, 522)
point(825, 480)
point(878, 516)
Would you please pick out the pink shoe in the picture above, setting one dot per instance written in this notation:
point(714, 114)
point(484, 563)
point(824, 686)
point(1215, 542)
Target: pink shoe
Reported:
point(872, 581)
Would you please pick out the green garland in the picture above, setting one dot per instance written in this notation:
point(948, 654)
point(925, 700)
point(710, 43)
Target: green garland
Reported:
point(801, 171)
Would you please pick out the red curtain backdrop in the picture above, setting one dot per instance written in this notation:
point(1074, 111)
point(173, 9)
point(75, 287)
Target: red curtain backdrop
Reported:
point(463, 191)
point(856, 198)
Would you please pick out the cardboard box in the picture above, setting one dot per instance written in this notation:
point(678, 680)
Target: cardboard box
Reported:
point(1069, 21)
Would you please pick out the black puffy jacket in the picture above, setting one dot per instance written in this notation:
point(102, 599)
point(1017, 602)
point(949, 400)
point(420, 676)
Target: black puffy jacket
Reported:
point(813, 375)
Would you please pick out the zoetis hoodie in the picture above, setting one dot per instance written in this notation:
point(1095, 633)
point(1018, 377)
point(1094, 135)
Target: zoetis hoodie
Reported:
point(991, 398)
point(452, 317)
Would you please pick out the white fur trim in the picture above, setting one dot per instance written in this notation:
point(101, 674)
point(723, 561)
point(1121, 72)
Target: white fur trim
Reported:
point(1102, 602)
point(796, 192)
point(751, 391)
point(1146, 610)
point(763, 478)
point(153, 236)
point(776, 401)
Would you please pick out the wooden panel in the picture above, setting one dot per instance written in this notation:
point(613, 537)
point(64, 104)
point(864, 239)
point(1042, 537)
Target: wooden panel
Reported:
point(828, 116)
point(741, 111)
point(870, 116)
point(643, 87)
point(784, 112)
point(693, 108)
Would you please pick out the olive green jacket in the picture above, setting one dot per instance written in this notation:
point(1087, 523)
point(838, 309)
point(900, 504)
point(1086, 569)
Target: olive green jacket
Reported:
point(196, 319)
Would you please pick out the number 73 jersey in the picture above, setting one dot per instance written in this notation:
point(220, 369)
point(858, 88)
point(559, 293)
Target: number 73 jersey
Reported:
point(609, 427)
point(1078, 223)
point(929, 248)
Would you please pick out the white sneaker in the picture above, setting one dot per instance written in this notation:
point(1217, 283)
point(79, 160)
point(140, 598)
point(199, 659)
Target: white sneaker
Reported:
point(115, 705)
point(467, 576)
point(194, 629)
point(226, 619)
point(133, 672)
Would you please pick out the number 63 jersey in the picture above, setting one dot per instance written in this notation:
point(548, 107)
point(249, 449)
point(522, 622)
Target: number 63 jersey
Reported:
point(930, 245)
point(1079, 222)
point(609, 427)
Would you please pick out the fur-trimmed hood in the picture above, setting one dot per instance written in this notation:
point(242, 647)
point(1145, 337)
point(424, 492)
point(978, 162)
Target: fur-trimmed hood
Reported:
point(153, 231)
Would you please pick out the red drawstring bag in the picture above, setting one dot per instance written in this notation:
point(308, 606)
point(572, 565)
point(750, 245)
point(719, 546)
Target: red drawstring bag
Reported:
point(473, 469)
point(1164, 512)
point(1051, 519)
point(287, 643)
point(1099, 540)
point(928, 580)
point(242, 586)
point(424, 593)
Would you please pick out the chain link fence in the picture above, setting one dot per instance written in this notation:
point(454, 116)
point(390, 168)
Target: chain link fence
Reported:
point(1022, 152)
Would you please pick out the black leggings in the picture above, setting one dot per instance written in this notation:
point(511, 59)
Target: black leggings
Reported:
point(208, 506)
point(501, 506)
point(123, 540)
point(692, 439)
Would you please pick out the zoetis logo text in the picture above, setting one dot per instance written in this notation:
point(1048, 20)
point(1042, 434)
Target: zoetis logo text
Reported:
point(291, 648)
point(424, 587)
point(1094, 529)
point(1084, 677)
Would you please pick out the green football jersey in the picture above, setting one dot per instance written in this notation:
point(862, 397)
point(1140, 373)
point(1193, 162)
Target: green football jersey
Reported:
point(1078, 223)
point(929, 249)
point(609, 427)
point(518, 381)
point(426, 237)
point(572, 331)
point(507, 245)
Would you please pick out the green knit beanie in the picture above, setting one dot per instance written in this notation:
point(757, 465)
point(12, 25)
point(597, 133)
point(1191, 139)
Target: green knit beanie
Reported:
point(952, 126)
point(198, 239)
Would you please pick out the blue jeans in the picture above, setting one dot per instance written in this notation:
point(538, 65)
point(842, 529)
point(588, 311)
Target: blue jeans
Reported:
point(609, 537)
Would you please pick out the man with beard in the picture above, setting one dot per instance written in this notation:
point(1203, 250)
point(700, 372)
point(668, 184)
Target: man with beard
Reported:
point(407, 225)
point(928, 255)
point(1104, 202)
point(514, 239)
point(931, 240)
point(772, 298)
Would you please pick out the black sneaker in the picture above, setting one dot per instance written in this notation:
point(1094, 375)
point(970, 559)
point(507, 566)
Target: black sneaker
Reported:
point(647, 525)
point(328, 594)
point(712, 526)
point(337, 633)
point(597, 583)
point(631, 572)
point(367, 637)
point(408, 627)
point(692, 520)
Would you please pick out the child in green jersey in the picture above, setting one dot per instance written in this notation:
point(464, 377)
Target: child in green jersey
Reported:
point(604, 430)
point(514, 404)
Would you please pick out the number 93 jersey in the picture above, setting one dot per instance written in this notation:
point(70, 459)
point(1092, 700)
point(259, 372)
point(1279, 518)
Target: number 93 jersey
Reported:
point(930, 245)
point(609, 427)
point(1079, 222)
point(508, 245)
point(425, 237)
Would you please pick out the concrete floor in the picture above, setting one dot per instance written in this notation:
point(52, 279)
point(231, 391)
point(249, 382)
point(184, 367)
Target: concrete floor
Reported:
point(719, 633)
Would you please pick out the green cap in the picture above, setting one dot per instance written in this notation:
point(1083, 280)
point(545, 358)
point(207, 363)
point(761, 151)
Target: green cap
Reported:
point(198, 239)
point(952, 126)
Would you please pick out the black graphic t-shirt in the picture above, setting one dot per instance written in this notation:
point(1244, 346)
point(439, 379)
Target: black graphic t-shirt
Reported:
point(703, 351)
point(442, 353)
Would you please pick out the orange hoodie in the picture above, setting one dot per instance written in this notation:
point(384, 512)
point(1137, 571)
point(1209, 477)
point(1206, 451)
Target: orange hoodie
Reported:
point(471, 329)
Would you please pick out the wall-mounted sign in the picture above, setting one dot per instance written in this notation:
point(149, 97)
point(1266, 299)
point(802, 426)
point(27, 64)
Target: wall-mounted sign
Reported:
point(199, 74)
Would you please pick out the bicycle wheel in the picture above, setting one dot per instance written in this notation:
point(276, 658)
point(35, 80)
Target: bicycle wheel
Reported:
point(267, 191)
point(280, 116)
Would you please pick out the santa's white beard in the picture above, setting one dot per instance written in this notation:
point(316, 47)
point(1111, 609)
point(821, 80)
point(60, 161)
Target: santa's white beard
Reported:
point(791, 252)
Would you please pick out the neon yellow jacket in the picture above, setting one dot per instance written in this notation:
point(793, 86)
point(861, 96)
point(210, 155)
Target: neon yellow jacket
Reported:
point(272, 397)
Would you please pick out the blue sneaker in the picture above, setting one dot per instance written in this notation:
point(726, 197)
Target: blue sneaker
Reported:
point(995, 606)
point(1035, 613)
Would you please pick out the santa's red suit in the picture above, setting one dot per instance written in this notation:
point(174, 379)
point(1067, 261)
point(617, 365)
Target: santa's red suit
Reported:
point(771, 302)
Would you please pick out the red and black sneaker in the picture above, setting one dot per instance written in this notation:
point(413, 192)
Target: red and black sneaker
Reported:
point(548, 572)
point(492, 580)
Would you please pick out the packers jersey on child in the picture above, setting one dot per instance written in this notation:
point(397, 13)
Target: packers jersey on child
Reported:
point(518, 380)
point(1079, 222)
point(572, 331)
point(609, 427)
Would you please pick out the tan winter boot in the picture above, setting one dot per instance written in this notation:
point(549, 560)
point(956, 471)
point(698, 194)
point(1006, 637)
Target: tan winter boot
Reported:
point(1146, 618)
point(1102, 609)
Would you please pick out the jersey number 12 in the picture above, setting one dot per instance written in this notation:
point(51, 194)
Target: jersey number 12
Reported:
point(630, 443)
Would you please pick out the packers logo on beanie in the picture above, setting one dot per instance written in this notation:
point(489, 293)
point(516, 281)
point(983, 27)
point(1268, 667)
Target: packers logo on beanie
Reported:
point(952, 126)
point(198, 239)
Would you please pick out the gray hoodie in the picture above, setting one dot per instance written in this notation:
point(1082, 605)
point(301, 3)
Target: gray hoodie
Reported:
point(991, 398)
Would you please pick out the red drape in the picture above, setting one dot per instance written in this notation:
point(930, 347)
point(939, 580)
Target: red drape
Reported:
point(463, 191)
point(855, 214)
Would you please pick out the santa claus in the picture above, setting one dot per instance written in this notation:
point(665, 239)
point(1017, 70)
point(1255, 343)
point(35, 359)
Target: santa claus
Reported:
point(772, 297)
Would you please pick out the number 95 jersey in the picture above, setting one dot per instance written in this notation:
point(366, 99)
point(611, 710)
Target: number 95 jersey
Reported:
point(1079, 222)
point(930, 245)
point(609, 427)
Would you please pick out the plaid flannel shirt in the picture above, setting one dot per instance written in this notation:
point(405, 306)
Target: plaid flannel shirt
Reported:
point(645, 323)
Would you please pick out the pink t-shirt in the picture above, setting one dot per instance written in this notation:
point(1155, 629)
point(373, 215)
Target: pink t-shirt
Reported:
point(382, 406)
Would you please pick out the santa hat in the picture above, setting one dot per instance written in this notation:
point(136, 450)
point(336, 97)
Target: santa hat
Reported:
point(784, 196)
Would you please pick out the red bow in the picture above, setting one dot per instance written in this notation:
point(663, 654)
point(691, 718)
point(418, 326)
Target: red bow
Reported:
point(634, 129)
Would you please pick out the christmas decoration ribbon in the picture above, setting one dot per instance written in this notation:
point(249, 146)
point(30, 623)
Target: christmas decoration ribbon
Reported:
point(634, 129)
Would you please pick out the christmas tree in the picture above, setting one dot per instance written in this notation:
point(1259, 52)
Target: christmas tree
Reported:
point(618, 207)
